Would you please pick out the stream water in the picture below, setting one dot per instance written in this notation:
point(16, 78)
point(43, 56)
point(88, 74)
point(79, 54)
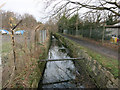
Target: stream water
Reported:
point(60, 74)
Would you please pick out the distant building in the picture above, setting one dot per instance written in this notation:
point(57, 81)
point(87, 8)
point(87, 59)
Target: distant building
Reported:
point(114, 29)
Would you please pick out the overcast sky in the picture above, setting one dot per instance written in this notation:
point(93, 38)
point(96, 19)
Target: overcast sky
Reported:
point(33, 7)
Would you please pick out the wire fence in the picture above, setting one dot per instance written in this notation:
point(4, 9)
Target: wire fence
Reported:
point(42, 36)
point(95, 33)
point(27, 47)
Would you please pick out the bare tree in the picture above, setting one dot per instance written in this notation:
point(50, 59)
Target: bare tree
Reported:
point(51, 25)
point(108, 5)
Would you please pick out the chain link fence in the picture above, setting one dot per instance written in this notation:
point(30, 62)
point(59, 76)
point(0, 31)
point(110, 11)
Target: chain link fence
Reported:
point(94, 33)
point(27, 46)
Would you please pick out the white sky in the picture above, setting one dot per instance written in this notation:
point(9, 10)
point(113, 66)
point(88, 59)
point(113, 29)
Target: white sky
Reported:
point(32, 7)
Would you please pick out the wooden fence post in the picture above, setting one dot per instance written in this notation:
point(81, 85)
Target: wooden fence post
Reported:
point(13, 40)
point(0, 52)
point(36, 36)
point(14, 53)
point(13, 43)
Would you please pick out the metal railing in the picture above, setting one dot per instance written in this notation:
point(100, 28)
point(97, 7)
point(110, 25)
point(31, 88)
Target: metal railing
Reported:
point(61, 59)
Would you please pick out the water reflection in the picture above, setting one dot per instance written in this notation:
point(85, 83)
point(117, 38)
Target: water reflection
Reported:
point(59, 74)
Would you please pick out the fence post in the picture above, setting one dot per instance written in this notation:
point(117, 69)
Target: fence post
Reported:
point(13, 44)
point(40, 36)
point(103, 35)
point(0, 51)
point(90, 32)
point(45, 34)
point(13, 40)
point(36, 36)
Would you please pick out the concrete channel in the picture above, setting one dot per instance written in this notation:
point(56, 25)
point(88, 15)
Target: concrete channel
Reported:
point(63, 74)
point(98, 73)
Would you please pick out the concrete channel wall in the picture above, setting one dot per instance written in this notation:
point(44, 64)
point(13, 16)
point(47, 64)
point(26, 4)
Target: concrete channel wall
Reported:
point(99, 74)
point(41, 65)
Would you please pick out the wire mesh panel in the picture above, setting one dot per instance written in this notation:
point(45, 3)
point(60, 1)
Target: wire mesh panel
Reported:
point(42, 36)
point(25, 46)
point(77, 32)
point(7, 58)
point(41, 39)
point(45, 34)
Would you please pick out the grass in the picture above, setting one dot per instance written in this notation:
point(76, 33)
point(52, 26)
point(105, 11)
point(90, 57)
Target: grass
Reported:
point(6, 47)
point(109, 63)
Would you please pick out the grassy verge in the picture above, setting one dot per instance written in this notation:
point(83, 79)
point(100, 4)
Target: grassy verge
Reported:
point(109, 63)
point(106, 43)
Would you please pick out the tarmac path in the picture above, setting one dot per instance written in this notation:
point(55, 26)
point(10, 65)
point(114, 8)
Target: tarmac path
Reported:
point(97, 48)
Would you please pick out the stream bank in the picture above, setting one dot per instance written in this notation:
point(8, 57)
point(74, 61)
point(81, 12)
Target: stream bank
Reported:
point(62, 74)
point(102, 77)
point(31, 72)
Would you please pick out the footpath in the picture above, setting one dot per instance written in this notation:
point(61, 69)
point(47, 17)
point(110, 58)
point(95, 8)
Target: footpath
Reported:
point(97, 48)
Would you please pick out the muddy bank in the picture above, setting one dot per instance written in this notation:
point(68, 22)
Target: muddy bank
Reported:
point(98, 74)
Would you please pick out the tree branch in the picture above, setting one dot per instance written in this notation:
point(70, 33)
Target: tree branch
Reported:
point(112, 9)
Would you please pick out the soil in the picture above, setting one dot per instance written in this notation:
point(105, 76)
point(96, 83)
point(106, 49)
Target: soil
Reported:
point(95, 47)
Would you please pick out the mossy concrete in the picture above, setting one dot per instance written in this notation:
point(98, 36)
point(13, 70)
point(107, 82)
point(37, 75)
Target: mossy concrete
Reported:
point(41, 65)
point(99, 74)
